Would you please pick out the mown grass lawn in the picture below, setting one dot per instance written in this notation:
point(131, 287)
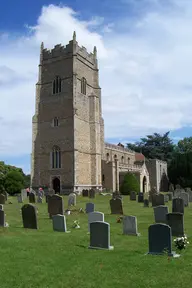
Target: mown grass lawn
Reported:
point(44, 258)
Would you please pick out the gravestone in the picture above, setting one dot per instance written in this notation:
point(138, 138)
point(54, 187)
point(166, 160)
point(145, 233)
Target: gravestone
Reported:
point(178, 205)
point(160, 214)
point(100, 236)
point(91, 193)
point(166, 198)
point(160, 240)
point(133, 196)
point(72, 199)
point(175, 221)
point(2, 199)
point(95, 217)
point(1, 206)
point(55, 205)
point(29, 216)
point(116, 206)
point(140, 198)
point(171, 188)
point(39, 199)
point(85, 193)
point(2, 218)
point(31, 197)
point(24, 194)
point(47, 197)
point(59, 223)
point(90, 207)
point(146, 203)
point(157, 200)
point(130, 225)
point(19, 198)
point(185, 197)
point(170, 195)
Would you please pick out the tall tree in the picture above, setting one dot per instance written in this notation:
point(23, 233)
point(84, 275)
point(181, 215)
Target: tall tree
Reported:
point(185, 145)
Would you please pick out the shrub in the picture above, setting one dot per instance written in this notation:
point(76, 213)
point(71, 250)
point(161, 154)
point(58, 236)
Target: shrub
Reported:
point(130, 183)
point(14, 182)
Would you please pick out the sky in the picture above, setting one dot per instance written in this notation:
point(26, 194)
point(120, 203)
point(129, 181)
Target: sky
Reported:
point(145, 62)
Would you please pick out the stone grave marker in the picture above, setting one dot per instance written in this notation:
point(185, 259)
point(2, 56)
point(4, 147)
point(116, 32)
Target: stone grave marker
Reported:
point(91, 193)
point(1, 206)
point(59, 223)
point(140, 197)
point(32, 197)
point(130, 225)
point(157, 200)
point(190, 194)
point(133, 196)
point(178, 205)
point(90, 207)
point(170, 195)
point(160, 214)
point(24, 194)
point(55, 205)
point(146, 203)
point(95, 217)
point(100, 236)
point(2, 199)
point(185, 197)
point(2, 218)
point(160, 240)
point(29, 216)
point(116, 206)
point(175, 221)
point(39, 199)
point(19, 198)
point(72, 199)
point(85, 192)
point(166, 197)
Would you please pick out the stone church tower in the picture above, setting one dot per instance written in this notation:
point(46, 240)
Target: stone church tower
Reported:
point(68, 128)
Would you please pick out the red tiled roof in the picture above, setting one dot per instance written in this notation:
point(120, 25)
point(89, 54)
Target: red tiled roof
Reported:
point(139, 157)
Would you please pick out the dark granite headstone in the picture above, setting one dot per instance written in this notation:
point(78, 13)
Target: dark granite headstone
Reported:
point(91, 193)
point(133, 196)
point(157, 200)
point(31, 197)
point(55, 205)
point(90, 207)
point(146, 202)
point(178, 205)
point(175, 221)
point(140, 197)
point(29, 216)
point(100, 235)
point(2, 199)
point(2, 218)
point(160, 214)
point(85, 193)
point(116, 206)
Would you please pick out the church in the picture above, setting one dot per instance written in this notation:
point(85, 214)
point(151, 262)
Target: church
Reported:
point(69, 152)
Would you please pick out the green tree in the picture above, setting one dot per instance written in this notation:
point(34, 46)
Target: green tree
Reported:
point(154, 146)
point(185, 145)
point(14, 182)
point(130, 183)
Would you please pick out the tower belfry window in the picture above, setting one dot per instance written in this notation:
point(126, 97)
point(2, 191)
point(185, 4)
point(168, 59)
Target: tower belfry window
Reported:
point(83, 85)
point(57, 85)
point(56, 157)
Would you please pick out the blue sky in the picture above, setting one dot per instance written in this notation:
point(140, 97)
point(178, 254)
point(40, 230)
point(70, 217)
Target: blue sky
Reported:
point(144, 49)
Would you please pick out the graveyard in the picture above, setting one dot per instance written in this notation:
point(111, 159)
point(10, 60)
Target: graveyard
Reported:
point(46, 258)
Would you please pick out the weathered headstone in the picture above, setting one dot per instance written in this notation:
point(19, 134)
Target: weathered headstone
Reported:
point(100, 235)
point(160, 240)
point(2, 199)
point(171, 188)
point(72, 199)
point(175, 221)
point(90, 207)
point(170, 195)
point(32, 197)
point(116, 206)
point(133, 196)
point(166, 197)
point(59, 223)
point(19, 198)
point(85, 193)
point(95, 217)
point(160, 214)
point(178, 205)
point(2, 218)
point(91, 193)
point(157, 200)
point(24, 193)
point(130, 225)
point(146, 202)
point(188, 190)
point(29, 216)
point(1, 206)
point(140, 197)
point(55, 205)
point(185, 197)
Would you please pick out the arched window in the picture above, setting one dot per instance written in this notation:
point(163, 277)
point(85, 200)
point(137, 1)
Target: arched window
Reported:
point(83, 86)
point(57, 85)
point(55, 122)
point(115, 157)
point(128, 160)
point(107, 157)
point(56, 157)
point(122, 159)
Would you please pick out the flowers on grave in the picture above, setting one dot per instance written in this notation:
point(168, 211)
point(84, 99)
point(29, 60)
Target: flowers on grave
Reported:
point(181, 242)
point(119, 219)
point(68, 212)
point(76, 224)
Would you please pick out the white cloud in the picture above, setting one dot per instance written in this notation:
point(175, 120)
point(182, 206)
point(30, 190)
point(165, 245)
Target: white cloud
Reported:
point(145, 71)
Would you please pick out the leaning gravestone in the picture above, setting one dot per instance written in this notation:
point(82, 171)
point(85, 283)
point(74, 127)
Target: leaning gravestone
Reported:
point(55, 205)
point(116, 206)
point(140, 197)
point(178, 205)
point(95, 217)
point(2, 199)
point(133, 196)
point(146, 203)
point(130, 225)
point(160, 214)
point(29, 216)
point(90, 207)
point(59, 223)
point(31, 197)
point(160, 240)
point(185, 197)
point(91, 193)
point(175, 221)
point(72, 199)
point(100, 236)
